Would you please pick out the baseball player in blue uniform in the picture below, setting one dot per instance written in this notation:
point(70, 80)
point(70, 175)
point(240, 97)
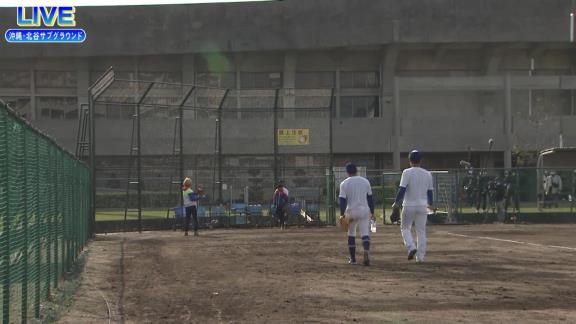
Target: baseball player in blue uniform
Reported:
point(357, 204)
point(416, 196)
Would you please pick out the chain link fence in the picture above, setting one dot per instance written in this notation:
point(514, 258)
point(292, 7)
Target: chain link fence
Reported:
point(236, 144)
point(44, 216)
point(472, 195)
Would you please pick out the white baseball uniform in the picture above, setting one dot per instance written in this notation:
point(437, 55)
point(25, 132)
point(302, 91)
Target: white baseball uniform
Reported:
point(417, 182)
point(355, 190)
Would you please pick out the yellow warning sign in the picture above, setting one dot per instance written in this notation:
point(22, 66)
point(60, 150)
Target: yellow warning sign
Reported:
point(293, 136)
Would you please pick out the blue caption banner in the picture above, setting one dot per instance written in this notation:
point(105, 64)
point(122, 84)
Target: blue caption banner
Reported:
point(45, 35)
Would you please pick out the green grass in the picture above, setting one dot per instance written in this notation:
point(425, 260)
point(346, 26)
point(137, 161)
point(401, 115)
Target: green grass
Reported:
point(118, 214)
point(528, 210)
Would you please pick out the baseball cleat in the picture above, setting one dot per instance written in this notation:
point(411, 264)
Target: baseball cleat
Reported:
point(366, 258)
point(412, 254)
point(352, 262)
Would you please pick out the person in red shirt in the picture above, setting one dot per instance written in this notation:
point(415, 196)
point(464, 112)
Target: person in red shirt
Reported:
point(281, 199)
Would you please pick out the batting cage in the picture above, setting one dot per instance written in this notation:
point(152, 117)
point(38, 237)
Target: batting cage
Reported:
point(44, 216)
point(236, 146)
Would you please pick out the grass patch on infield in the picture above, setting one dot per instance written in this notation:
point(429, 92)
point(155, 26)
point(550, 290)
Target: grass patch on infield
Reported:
point(118, 214)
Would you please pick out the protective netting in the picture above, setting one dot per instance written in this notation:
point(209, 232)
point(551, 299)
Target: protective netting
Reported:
point(236, 144)
point(44, 216)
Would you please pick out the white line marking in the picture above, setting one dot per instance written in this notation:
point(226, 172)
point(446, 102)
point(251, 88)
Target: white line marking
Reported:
point(515, 242)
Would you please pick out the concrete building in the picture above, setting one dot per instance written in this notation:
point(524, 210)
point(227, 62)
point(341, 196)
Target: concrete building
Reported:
point(441, 76)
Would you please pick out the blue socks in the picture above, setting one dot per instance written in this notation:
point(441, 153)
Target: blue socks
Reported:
point(366, 243)
point(352, 248)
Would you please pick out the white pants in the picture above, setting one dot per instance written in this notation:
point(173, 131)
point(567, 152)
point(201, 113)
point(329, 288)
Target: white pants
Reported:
point(359, 218)
point(418, 216)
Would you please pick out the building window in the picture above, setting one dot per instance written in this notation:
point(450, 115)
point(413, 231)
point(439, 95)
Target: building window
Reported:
point(58, 108)
point(168, 77)
point(359, 80)
point(311, 80)
point(14, 79)
point(260, 80)
point(56, 79)
point(359, 107)
point(225, 80)
point(437, 73)
point(312, 106)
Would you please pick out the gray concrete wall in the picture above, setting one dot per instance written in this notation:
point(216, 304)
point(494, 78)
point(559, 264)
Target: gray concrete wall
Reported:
point(296, 24)
point(435, 121)
point(396, 38)
point(530, 134)
point(252, 136)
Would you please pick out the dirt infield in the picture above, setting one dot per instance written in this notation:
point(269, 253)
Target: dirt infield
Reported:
point(479, 274)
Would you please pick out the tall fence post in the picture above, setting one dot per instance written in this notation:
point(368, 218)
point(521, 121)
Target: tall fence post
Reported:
point(219, 142)
point(331, 132)
point(573, 191)
point(330, 194)
point(275, 137)
point(383, 183)
point(330, 190)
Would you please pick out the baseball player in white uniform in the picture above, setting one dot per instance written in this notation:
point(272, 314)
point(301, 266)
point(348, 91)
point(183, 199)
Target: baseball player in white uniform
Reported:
point(357, 204)
point(416, 196)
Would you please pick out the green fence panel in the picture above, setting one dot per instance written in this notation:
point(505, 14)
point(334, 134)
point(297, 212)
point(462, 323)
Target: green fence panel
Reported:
point(44, 216)
point(4, 220)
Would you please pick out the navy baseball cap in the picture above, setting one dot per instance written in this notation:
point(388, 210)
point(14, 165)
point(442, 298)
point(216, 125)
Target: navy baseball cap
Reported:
point(351, 168)
point(415, 156)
